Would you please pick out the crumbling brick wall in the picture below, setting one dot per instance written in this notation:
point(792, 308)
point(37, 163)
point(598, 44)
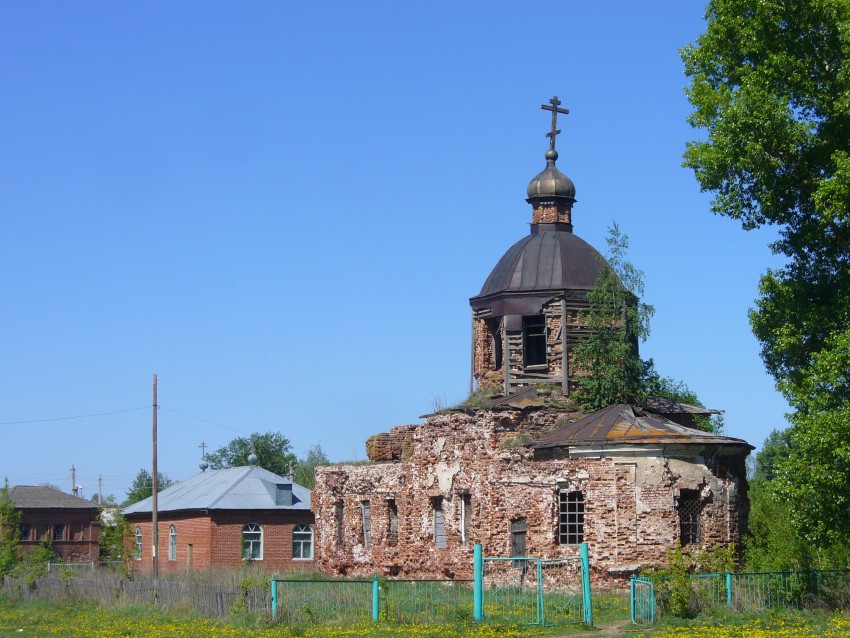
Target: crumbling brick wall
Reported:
point(473, 464)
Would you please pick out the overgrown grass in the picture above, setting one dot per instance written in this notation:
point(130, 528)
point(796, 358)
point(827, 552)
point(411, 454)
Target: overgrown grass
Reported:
point(771, 624)
point(87, 620)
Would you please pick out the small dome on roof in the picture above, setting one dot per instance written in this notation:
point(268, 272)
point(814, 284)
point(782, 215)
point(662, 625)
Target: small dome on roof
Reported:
point(551, 182)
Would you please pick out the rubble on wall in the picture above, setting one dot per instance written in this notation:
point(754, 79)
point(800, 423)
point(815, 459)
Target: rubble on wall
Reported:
point(472, 469)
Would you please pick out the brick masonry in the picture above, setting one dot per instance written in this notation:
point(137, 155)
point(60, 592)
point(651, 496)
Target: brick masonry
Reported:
point(216, 540)
point(477, 460)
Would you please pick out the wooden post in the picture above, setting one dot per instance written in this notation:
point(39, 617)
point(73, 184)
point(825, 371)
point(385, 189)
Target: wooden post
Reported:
point(565, 361)
point(154, 522)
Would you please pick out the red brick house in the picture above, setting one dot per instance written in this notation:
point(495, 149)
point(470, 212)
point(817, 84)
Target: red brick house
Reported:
point(223, 518)
point(70, 523)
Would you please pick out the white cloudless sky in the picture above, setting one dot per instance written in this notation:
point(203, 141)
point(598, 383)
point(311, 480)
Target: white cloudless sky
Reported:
point(282, 209)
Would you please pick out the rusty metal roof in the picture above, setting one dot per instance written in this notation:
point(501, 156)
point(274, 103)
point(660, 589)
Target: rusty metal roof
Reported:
point(550, 259)
point(628, 424)
point(40, 497)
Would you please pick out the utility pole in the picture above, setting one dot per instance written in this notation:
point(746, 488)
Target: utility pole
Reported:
point(154, 522)
point(100, 489)
point(73, 480)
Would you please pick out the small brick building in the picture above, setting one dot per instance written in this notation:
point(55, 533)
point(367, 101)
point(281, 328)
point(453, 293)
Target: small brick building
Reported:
point(525, 473)
point(71, 524)
point(224, 518)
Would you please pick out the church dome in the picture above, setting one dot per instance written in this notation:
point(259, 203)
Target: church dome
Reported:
point(549, 259)
point(551, 182)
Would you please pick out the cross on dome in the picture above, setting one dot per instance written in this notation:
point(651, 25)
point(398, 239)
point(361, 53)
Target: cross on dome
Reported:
point(555, 103)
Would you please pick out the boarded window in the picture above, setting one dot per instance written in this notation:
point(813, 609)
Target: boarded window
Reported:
point(366, 519)
point(392, 524)
point(338, 515)
point(570, 518)
point(534, 340)
point(689, 517)
point(519, 528)
point(439, 522)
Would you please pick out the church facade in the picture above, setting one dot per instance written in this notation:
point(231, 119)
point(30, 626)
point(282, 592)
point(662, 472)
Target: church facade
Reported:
point(525, 473)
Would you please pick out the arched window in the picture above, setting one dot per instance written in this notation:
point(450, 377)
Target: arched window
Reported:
point(302, 542)
point(252, 542)
point(137, 544)
point(172, 543)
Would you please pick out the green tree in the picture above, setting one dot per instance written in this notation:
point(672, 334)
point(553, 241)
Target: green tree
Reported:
point(272, 449)
point(142, 486)
point(305, 471)
point(10, 532)
point(617, 320)
point(667, 388)
point(770, 87)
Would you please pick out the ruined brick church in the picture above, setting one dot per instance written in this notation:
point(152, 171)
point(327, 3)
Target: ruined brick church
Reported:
point(525, 473)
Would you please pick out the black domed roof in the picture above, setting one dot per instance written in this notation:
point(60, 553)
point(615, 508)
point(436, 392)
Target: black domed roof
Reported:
point(549, 259)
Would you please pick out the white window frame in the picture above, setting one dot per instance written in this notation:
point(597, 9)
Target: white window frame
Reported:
point(248, 544)
point(137, 543)
point(302, 542)
point(172, 543)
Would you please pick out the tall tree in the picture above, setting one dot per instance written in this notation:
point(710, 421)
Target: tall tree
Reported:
point(770, 86)
point(142, 486)
point(617, 320)
point(10, 531)
point(272, 449)
point(305, 471)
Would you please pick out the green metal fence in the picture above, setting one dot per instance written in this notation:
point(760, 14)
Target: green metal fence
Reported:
point(747, 591)
point(512, 590)
point(342, 601)
point(535, 591)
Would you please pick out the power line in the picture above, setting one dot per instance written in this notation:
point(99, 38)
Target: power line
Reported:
point(78, 416)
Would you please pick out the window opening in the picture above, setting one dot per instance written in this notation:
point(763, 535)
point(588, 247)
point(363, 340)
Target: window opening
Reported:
point(534, 340)
point(570, 518)
point(302, 542)
point(519, 528)
point(465, 516)
point(338, 513)
point(172, 543)
point(366, 516)
point(137, 544)
point(689, 517)
point(495, 328)
point(25, 532)
point(392, 530)
point(252, 542)
point(439, 522)
point(58, 532)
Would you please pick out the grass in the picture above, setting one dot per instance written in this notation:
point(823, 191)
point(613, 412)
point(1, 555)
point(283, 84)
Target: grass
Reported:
point(88, 620)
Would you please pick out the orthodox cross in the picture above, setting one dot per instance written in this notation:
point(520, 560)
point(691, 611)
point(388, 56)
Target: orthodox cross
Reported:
point(203, 447)
point(555, 102)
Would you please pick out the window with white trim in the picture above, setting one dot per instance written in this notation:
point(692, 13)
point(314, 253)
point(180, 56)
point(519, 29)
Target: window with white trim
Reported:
point(172, 543)
point(137, 544)
point(302, 542)
point(252, 542)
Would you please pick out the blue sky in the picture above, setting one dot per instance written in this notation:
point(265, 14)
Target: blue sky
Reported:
point(282, 209)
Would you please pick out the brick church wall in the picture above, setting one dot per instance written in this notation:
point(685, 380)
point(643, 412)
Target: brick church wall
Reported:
point(630, 515)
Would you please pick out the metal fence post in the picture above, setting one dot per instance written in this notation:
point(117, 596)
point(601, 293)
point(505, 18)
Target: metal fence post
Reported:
point(478, 584)
point(376, 605)
point(587, 601)
point(729, 590)
point(274, 599)
point(541, 617)
point(632, 598)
